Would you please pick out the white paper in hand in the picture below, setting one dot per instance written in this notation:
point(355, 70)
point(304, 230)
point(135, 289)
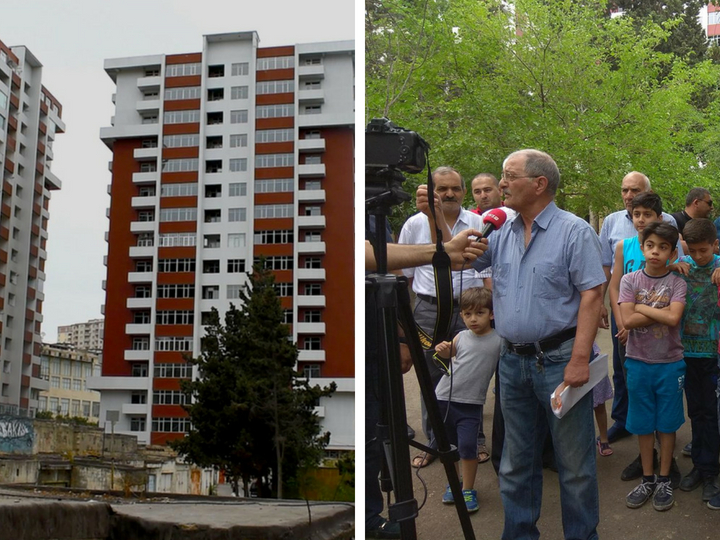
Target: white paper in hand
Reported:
point(564, 397)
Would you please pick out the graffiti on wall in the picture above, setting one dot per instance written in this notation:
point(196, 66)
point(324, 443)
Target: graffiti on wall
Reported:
point(16, 435)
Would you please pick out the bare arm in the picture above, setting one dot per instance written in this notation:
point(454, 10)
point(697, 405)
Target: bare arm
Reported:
point(577, 371)
point(669, 316)
point(633, 319)
point(604, 321)
point(614, 291)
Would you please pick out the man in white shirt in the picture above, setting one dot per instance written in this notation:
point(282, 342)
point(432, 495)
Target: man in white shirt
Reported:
point(452, 218)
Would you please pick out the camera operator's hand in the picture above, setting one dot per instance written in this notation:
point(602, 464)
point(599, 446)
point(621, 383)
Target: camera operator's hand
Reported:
point(464, 248)
point(422, 202)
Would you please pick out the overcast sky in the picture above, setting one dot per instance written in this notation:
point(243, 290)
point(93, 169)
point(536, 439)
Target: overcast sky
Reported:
point(72, 39)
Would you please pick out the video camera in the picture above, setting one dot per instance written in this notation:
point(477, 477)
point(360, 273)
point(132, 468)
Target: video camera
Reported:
point(390, 146)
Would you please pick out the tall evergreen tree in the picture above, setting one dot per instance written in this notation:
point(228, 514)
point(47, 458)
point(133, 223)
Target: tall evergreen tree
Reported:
point(251, 411)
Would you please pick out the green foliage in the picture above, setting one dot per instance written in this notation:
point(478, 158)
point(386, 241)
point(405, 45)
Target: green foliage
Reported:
point(44, 414)
point(478, 81)
point(251, 411)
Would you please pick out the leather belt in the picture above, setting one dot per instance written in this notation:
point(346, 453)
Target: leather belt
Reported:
point(547, 344)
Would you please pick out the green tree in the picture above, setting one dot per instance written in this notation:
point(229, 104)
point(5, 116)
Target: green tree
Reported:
point(479, 81)
point(251, 411)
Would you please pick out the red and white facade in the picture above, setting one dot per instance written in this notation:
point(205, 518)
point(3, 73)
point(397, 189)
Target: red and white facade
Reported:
point(219, 157)
point(30, 117)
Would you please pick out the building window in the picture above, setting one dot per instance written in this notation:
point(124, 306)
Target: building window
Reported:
point(241, 68)
point(280, 262)
point(238, 164)
point(275, 62)
point(274, 237)
point(275, 87)
point(268, 211)
point(143, 266)
point(211, 292)
point(176, 290)
point(213, 191)
point(274, 135)
point(181, 117)
point(238, 92)
point(314, 134)
point(145, 239)
point(235, 266)
point(216, 71)
point(238, 140)
point(236, 240)
point(313, 236)
point(214, 118)
point(313, 262)
point(171, 425)
point(311, 85)
point(176, 265)
point(313, 211)
point(213, 216)
point(181, 141)
point(183, 92)
point(312, 109)
point(275, 111)
point(183, 70)
point(239, 117)
point(311, 371)
point(215, 94)
point(237, 214)
point(149, 119)
point(233, 291)
point(284, 289)
point(213, 166)
point(211, 241)
point(312, 316)
point(64, 406)
point(184, 239)
point(313, 289)
point(313, 160)
point(174, 343)
point(175, 317)
point(287, 316)
point(148, 166)
point(141, 317)
point(168, 397)
point(141, 344)
point(178, 214)
point(275, 185)
point(274, 160)
point(237, 189)
point(312, 185)
point(181, 165)
point(137, 423)
point(55, 382)
point(312, 343)
point(173, 371)
point(211, 267)
point(138, 397)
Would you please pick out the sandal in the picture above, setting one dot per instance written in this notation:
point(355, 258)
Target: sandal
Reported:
point(604, 448)
point(422, 460)
point(483, 454)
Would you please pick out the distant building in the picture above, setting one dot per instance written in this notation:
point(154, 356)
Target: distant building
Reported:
point(29, 121)
point(86, 335)
point(68, 370)
point(220, 157)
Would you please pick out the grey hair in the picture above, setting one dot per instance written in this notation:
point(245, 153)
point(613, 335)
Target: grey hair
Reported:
point(539, 163)
point(696, 193)
point(444, 170)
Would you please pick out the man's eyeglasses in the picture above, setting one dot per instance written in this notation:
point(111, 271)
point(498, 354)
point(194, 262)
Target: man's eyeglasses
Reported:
point(509, 177)
point(709, 203)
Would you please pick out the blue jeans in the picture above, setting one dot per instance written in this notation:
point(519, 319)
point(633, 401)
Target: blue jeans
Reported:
point(620, 396)
point(525, 396)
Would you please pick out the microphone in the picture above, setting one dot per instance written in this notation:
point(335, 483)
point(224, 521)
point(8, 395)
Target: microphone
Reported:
point(494, 219)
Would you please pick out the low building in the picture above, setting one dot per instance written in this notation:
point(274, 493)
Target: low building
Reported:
point(68, 369)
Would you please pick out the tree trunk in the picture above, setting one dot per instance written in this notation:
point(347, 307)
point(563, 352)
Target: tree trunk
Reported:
point(278, 454)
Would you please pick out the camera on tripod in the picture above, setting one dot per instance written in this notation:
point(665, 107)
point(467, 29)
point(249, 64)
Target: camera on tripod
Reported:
point(390, 146)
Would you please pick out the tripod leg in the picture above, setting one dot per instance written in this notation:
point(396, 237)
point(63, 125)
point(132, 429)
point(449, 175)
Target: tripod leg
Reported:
point(448, 455)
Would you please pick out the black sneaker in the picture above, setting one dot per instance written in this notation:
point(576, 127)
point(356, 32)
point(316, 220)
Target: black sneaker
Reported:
point(640, 495)
point(663, 497)
point(692, 480)
point(687, 450)
point(635, 470)
point(714, 503)
point(386, 529)
point(710, 488)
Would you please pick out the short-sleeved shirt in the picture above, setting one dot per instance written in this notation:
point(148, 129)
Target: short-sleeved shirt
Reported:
point(416, 230)
point(657, 343)
point(619, 226)
point(633, 257)
point(472, 368)
point(536, 290)
point(700, 323)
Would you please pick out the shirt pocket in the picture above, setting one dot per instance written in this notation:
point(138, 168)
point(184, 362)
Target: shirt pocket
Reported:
point(549, 282)
point(500, 279)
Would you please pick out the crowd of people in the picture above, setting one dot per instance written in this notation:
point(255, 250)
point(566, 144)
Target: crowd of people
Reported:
point(549, 273)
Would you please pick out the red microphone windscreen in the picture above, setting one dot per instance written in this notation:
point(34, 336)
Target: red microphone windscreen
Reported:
point(496, 217)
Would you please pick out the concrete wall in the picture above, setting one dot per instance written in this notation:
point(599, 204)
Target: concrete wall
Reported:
point(17, 435)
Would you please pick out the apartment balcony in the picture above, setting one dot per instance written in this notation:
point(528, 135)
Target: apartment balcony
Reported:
point(135, 408)
point(311, 195)
point(311, 328)
point(118, 383)
point(138, 355)
point(311, 145)
point(138, 329)
point(52, 182)
point(326, 119)
point(311, 97)
point(142, 252)
point(136, 303)
point(311, 356)
point(142, 226)
point(314, 71)
point(311, 222)
point(148, 106)
point(310, 274)
point(306, 300)
point(110, 134)
point(145, 177)
point(315, 170)
point(146, 153)
point(140, 277)
point(311, 248)
point(149, 83)
point(145, 202)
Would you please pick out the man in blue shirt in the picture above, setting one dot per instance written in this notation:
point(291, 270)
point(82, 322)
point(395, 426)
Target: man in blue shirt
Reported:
point(547, 281)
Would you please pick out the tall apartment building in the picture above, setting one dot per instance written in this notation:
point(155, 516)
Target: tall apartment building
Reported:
point(219, 157)
point(86, 335)
point(29, 121)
